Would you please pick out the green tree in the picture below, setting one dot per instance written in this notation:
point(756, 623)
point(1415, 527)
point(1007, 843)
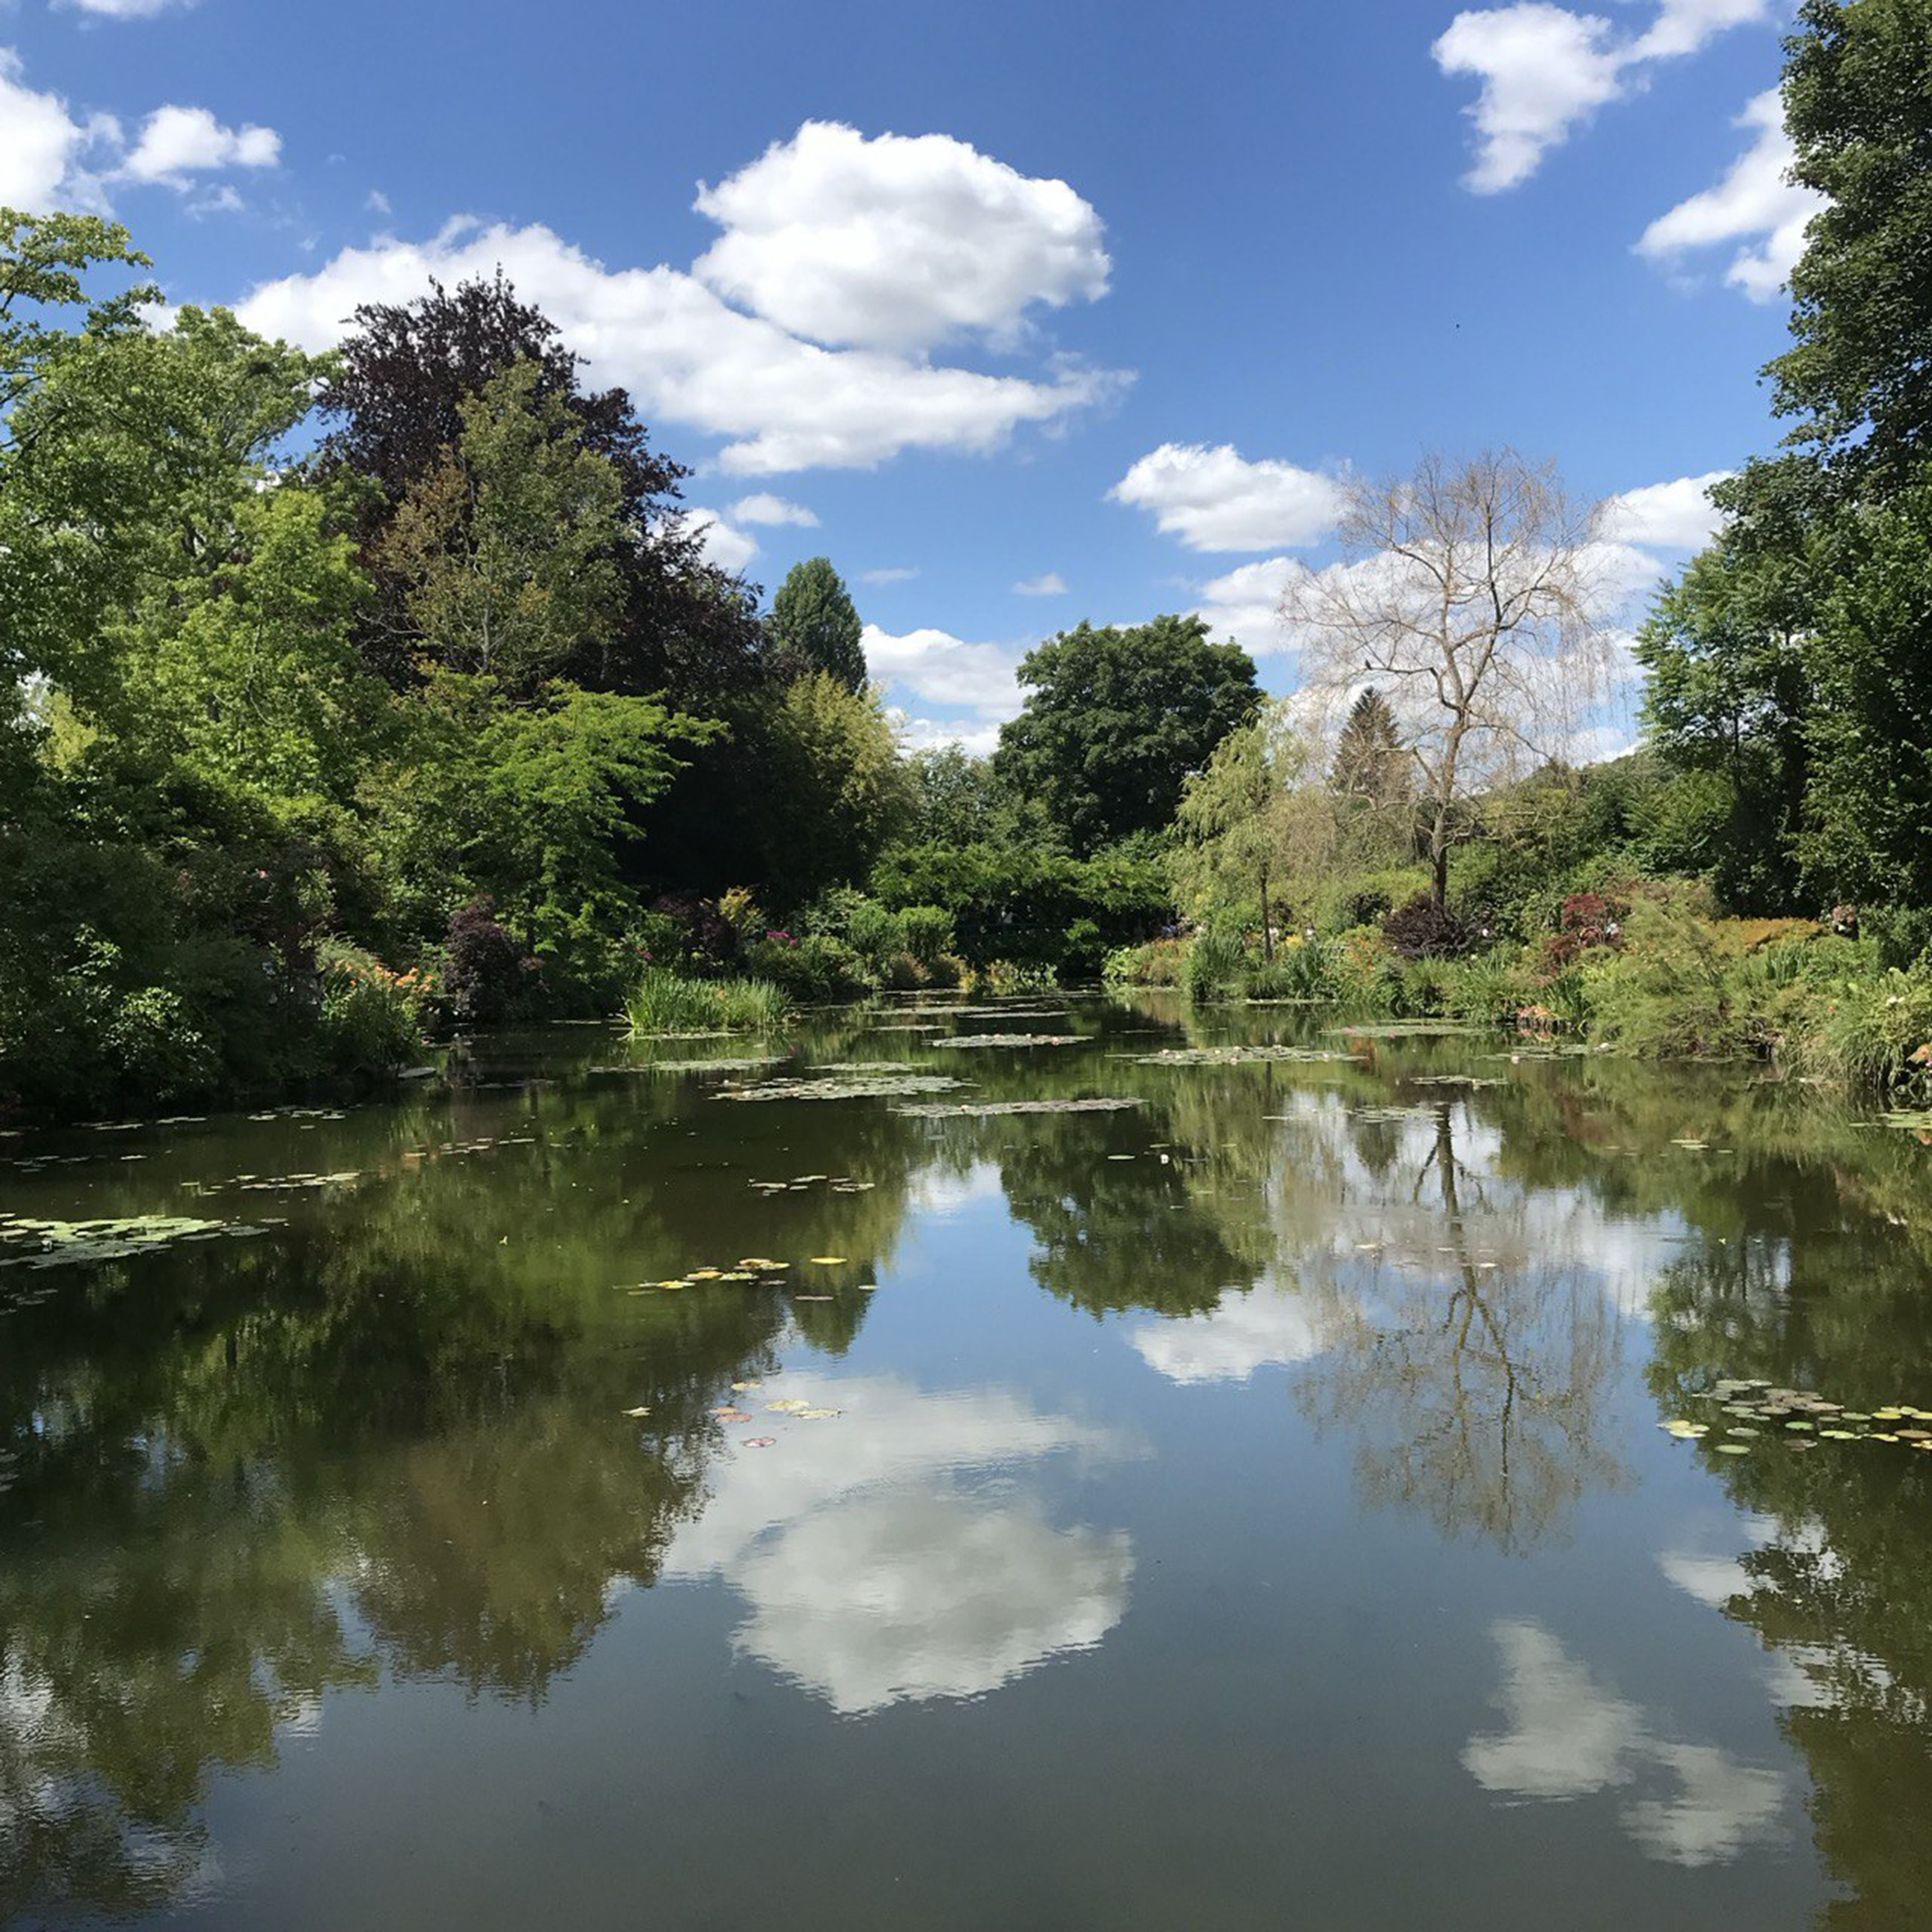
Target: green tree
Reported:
point(1236, 821)
point(813, 615)
point(835, 787)
point(507, 549)
point(1115, 720)
point(1857, 92)
point(1867, 831)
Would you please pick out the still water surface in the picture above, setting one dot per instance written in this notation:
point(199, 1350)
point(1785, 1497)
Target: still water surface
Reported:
point(1244, 1506)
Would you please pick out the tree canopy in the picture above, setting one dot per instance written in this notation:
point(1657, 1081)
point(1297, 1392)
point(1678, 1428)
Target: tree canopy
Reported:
point(1115, 720)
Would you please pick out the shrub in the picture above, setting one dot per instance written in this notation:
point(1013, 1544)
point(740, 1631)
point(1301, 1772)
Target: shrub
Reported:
point(1159, 963)
point(1587, 921)
point(1010, 976)
point(665, 1002)
point(1302, 969)
point(1902, 934)
point(1873, 1033)
point(155, 1046)
point(1668, 992)
point(488, 974)
point(1423, 929)
point(1366, 899)
point(817, 967)
point(1216, 963)
point(1491, 989)
point(370, 1023)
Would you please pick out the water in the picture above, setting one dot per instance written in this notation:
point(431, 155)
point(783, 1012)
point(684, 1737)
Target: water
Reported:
point(1245, 1507)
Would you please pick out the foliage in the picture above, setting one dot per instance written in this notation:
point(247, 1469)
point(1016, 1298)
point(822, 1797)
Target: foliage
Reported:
point(1020, 904)
point(370, 1019)
point(488, 973)
point(1115, 720)
point(813, 617)
point(1426, 928)
point(662, 1002)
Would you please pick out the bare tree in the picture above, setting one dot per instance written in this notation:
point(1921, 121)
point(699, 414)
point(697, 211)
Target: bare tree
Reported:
point(1466, 593)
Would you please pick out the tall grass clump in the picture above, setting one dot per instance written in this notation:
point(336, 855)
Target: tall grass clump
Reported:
point(665, 1002)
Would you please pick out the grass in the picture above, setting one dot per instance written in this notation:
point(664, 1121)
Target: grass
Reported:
point(664, 1002)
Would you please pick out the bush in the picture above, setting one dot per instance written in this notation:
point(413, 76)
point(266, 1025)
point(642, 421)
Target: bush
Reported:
point(816, 967)
point(1588, 921)
point(1216, 963)
point(1875, 1033)
point(665, 1002)
point(1366, 899)
point(1159, 963)
point(1423, 930)
point(156, 1047)
point(370, 1024)
point(1668, 992)
point(1302, 969)
point(1006, 977)
point(1903, 935)
point(488, 974)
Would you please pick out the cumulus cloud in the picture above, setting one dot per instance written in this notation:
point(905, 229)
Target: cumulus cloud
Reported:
point(1051, 585)
point(1756, 205)
point(729, 549)
point(1267, 1327)
point(942, 669)
point(177, 142)
point(1567, 1738)
point(896, 243)
point(873, 1576)
point(1216, 499)
point(40, 142)
point(1244, 606)
point(765, 508)
point(50, 158)
point(785, 403)
point(1674, 516)
point(927, 734)
point(1544, 71)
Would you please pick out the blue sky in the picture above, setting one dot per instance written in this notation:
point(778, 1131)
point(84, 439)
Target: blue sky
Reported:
point(1098, 295)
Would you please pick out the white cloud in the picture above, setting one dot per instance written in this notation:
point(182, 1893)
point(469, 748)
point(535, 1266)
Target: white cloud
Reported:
point(893, 573)
point(40, 142)
point(377, 202)
point(1244, 605)
point(1568, 1738)
point(1674, 516)
point(765, 508)
point(1545, 71)
point(728, 548)
point(1756, 205)
point(942, 669)
point(1684, 26)
point(925, 734)
point(1216, 499)
point(1266, 1327)
point(785, 403)
point(177, 142)
point(925, 1593)
point(125, 9)
point(1051, 585)
point(872, 1575)
point(895, 243)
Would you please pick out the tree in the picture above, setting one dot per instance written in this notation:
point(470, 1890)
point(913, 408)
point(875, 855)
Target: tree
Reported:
point(836, 789)
point(1465, 590)
point(1237, 820)
point(395, 397)
point(1115, 720)
point(505, 551)
point(1857, 93)
point(813, 616)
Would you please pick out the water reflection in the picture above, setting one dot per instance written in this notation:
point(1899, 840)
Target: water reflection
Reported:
point(875, 1574)
point(394, 1440)
point(1566, 1737)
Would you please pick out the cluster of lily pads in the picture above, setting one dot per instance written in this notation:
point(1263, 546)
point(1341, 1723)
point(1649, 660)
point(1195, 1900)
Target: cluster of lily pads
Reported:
point(836, 1184)
point(25, 1243)
point(1236, 1056)
point(753, 1270)
point(992, 1040)
point(1801, 1417)
point(845, 1084)
point(986, 1110)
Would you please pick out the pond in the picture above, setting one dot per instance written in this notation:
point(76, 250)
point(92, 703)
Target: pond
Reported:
point(1033, 1463)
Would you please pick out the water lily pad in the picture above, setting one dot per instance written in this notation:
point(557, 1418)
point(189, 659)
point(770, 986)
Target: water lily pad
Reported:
point(992, 1109)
